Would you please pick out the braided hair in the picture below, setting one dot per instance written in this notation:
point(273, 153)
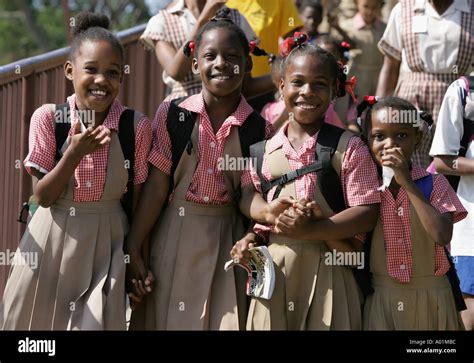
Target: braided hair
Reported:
point(297, 45)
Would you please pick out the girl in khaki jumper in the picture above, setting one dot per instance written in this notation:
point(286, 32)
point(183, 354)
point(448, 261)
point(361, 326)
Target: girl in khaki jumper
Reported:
point(310, 293)
point(407, 257)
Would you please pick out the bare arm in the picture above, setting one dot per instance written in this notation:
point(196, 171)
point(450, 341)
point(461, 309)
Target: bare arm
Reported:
point(253, 206)
point(152, 199)
point(438, 226)
point(388, 76)
point(453, 165)
point(345, 224)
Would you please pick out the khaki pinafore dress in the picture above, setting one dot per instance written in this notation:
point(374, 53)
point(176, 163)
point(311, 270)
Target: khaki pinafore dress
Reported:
point(309, 294)
point(79, 280)
point(189, 247)
point(424, 303)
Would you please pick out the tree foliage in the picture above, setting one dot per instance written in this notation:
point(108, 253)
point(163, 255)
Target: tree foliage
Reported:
point(31, 27)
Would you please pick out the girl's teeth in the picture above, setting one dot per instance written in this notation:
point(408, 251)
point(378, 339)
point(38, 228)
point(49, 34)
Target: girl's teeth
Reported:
point(99, 93)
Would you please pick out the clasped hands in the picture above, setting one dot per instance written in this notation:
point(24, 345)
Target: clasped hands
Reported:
point(292, 218)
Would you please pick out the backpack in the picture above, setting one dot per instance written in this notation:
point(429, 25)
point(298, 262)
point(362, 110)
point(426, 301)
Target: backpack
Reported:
point(468, 126)
point(126, 134)
point(326, 176)
point(180, 123)
point(425, 184)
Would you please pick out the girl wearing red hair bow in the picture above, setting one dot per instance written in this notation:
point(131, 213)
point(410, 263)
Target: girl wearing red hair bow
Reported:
point(313, 289)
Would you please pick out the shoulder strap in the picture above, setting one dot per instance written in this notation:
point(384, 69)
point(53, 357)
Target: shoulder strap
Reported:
point(328, 179)
point(179, 124)
point(62, 125)
point(251, 132)
point(425, 184)
point(126, 134)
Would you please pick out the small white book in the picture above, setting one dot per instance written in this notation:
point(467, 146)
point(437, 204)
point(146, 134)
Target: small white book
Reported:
point(261, 272)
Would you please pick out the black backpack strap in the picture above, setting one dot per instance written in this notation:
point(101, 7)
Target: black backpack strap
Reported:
point(329, 182)
point(251, 132)
point(455, 283)
point(179, 124)
point(126, 135)
point(62, 124)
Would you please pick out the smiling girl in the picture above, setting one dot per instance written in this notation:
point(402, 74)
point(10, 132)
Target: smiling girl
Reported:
point(194, 233)
point(79, 228)
point(309, 293)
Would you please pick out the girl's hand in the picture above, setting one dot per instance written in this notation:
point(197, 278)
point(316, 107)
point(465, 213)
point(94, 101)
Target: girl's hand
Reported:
point(240, 252)
point(139, 280)
point(276, 207)
point(292, 223)
point(311, 209)
point(395, 159)
point(136, 299)
point(90, 140)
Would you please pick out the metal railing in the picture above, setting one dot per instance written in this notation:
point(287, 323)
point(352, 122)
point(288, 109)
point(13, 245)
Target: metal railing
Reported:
point(27, 84)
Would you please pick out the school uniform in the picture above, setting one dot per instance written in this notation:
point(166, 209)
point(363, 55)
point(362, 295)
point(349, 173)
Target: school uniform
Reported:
point(173, 25)
point(366, 58)
point(447, 141)
point(192, 239)
point(408, 269)
point(310, 294)
point(437, 48)
point(79, 282)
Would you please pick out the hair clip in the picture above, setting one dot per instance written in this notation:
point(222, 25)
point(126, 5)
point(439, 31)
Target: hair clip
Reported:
point(188, 48)
point(371, 100)
point(345, 45)
point(252, 45)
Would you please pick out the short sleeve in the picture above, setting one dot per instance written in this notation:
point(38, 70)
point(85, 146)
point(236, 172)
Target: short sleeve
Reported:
point(391, 42)
point(154, 31)
point(160, 154)
point(444, 199)
point(449, 127)
point(42, 142)
point(290, 18)
point(142, 150)
point(359, 176)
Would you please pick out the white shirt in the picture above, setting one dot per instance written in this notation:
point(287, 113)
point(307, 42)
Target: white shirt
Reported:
point(447, 138)
point(438, 34)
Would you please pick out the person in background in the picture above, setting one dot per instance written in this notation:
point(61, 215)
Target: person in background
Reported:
point(363, 33)
point(168, 31)
point(271, 20)
point(273, 111)
point(457, 105)
point(435, 38)
point(342, 111)
point(311, 13)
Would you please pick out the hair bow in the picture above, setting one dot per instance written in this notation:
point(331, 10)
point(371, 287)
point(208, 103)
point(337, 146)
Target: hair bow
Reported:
point(349, 87)
point(252, 45)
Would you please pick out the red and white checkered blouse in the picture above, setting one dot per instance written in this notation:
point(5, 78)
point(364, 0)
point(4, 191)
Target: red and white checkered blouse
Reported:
point(208, 184)
point(91, 172)
point(396, 226)
point(359, 178)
